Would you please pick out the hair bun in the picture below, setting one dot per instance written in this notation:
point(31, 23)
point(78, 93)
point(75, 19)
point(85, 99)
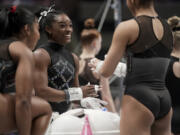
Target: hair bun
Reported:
point(89, 23)
point(174, 22)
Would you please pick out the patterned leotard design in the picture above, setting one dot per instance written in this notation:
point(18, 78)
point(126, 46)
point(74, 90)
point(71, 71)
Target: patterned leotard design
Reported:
point(61, 72)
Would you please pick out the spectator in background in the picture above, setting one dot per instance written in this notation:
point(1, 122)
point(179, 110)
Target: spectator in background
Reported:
point(91, 44)
point(173, 75)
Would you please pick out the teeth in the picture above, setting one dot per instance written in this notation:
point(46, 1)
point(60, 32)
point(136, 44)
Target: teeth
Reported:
point(68, 35)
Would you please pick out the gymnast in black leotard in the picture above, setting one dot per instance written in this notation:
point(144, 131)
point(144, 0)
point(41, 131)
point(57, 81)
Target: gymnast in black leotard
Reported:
point(147, 65)
point(147, 41)
point(19, 109)
point(56, 77)
point(173, 75)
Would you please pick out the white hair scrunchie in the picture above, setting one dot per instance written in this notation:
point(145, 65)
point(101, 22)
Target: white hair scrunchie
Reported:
point(44, 13)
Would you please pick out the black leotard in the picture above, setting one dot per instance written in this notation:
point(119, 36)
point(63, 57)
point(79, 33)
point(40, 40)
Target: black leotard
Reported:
point(173, 85)
point(7, 68)
point(61, 72)
point(148, 60)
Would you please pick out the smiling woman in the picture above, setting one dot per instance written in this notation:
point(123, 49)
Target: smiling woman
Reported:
point(57, 68)
point(60, 30)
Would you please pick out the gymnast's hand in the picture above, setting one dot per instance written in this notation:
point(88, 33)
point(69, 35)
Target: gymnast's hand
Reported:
point(90, 90)
point(93, 63)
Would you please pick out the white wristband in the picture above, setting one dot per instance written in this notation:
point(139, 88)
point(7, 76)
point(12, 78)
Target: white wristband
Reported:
point(96, 88)
point(99, 65)
point(120, 70)
point(75, 94)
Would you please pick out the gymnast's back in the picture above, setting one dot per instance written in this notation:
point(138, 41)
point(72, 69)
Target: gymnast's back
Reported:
point(147, 64)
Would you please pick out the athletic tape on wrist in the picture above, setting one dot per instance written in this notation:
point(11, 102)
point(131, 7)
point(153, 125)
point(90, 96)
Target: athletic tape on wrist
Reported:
point(120, 70)
point(75, 94)
point(98, 67)
point(67, 96)
point(96, 88)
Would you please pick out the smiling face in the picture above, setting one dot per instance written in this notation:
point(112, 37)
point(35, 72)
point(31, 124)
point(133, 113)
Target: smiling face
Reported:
point(61, 29)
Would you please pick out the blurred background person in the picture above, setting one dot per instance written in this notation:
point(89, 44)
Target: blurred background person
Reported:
point(173, 74)
point(91, 41)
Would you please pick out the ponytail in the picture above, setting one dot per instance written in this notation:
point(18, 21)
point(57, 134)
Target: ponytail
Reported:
point(13, 20)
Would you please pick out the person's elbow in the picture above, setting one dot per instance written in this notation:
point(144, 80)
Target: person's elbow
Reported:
point(40, 92)
point(23, 101)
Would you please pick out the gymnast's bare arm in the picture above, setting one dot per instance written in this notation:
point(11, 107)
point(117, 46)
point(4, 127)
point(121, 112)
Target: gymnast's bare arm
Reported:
point(23, 56)
point(42, 61)
point(123, 36)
